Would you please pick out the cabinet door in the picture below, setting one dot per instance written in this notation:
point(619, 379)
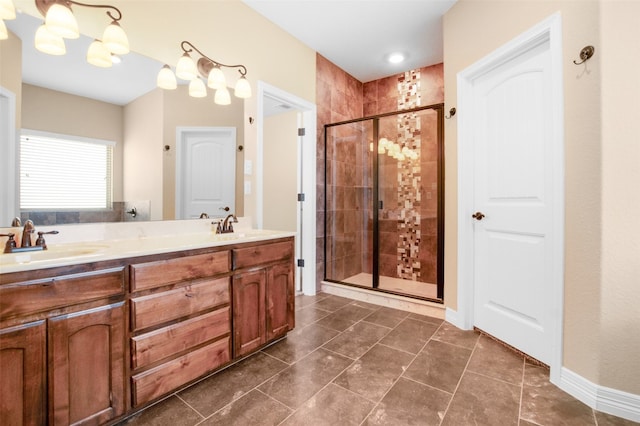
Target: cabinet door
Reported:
point(23, 371)
point(248, 311)
point(86, 358)
point(280, 300)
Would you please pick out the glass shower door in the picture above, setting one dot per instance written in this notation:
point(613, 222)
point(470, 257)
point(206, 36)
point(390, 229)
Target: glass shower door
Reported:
point(348, 208)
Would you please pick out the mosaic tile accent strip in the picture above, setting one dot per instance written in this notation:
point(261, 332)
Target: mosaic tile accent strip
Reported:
point(409, 179)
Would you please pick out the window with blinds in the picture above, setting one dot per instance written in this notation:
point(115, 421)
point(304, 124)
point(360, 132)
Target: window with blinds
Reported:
point(64, 172)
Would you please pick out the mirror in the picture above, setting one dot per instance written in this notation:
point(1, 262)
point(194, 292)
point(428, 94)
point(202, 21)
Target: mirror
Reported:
point(66, 95)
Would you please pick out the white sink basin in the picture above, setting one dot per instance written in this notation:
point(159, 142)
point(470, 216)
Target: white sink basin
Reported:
point(53, 253)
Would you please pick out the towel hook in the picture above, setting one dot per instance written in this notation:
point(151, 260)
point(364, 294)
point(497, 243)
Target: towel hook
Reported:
point(585, 54)
point(452, 112)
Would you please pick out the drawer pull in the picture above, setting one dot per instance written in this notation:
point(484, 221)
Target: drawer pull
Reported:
point(189, 294)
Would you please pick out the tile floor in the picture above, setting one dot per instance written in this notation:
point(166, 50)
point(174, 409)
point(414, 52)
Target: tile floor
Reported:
point(353, 363)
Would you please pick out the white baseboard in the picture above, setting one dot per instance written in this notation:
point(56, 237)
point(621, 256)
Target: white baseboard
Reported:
point(452, 317)
point(600, 398)
point(394, 301)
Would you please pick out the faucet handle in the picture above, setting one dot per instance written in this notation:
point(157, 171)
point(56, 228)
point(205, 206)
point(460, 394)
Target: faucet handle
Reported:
point(218, 224)
point(11, 243)
point(41, 242)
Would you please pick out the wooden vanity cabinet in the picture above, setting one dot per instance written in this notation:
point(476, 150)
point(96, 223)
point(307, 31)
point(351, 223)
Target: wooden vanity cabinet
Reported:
point(263, 295)
point(63, 358)
point(180, 322)
point(23, 360)
point(86, 366)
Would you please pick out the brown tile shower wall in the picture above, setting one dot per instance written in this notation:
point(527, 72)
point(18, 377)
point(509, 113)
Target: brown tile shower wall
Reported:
point(338, 98)
point(341, 97)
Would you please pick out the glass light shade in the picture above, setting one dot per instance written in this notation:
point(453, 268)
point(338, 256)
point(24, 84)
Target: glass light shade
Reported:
point(49, 43)
point(197, 89)
point(383, 142)
point(99, 55)
point(400, 157)
point(381, 149)
point(223, 97)
point(186, 68)
point(4, 34)
point(243, 88)
point(7, 10)
point(60, 21)
point(216, 78)
point(115, 39)
point(166, 78)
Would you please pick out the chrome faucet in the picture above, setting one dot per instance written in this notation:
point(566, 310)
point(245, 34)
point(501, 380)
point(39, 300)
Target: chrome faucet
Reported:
point(28, 229)
point(226, 226)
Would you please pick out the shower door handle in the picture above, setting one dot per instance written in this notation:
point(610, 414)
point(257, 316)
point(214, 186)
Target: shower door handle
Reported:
point(380, 205)
point(478, 215)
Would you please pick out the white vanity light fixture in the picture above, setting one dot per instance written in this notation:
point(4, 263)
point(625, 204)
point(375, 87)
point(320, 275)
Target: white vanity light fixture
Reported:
point(99, 55)
point(60, 22)
point(166, 78)
point(7, 10)
point(187, 69)
point(7, 13)
point(49, 43)
point(197, 89)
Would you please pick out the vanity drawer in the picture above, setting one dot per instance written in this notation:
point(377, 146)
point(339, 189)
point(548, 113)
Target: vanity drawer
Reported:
point(167, 377)
point(54, 292)
point(156, 345)
point(163, 272)
point(261, 254)
point(169, 305)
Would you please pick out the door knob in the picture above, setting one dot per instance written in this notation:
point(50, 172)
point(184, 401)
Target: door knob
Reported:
point(478, 215)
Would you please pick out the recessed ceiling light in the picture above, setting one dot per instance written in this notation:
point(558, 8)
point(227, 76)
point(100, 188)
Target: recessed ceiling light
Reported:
point(396, 58)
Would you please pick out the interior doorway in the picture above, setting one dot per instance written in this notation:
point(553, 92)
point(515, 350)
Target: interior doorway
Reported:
point(298, 121)
point(511, 194)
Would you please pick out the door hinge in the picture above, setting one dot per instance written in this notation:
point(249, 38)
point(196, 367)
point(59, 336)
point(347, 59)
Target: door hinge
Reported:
point(301, 131)
point(300, 263)
point(301, 196)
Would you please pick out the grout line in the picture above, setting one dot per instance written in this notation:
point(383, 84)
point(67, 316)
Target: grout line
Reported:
point(459, 380)
point(189, 405)
point(524, 364)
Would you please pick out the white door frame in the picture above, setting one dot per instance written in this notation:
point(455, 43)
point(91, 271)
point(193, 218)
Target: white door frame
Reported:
point(8, 158)
point(181, 131)
point(307, 115)
point(549, 29)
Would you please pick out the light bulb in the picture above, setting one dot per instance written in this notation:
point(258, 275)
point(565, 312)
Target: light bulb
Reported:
point(115, 39)
point(222, 97)
point(371, 146)
point(216, 79)
point(186, 68)
point(49, 43)
point(7, 10)
point(99, 55)
point(197, 89)
point(166, 78)
point(243, 88)
point(60, 21)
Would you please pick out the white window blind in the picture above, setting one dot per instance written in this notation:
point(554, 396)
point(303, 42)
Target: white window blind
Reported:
point(64, 172)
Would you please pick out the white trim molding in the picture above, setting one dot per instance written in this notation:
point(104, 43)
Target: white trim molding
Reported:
point(306, 174)
point(600, 398)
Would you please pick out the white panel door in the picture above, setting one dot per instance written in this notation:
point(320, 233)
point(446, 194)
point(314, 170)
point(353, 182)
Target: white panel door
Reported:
point(207, 172)
point(513, 188)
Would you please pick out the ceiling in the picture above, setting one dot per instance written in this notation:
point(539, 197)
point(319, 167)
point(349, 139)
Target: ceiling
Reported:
point(356, 35)
point(359, 35)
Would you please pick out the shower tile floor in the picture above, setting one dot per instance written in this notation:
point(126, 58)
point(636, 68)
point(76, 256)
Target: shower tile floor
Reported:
point(397, 285)
point(353, 363)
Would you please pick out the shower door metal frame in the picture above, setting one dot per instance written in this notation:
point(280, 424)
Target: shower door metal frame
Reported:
point(439, 108)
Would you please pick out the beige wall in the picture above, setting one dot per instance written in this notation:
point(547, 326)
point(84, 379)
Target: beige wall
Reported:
point(597, 326)
point(280, 179)
point(57, 112)
point(619, 51)
point(11, 70)
point(143, 152)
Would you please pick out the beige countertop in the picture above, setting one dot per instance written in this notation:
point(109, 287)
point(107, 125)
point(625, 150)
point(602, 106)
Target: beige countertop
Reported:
point(73, 253)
